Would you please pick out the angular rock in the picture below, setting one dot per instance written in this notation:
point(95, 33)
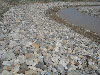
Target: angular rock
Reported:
point(23, 68)
point(98, 71)
point(64, 63)
point(16, 68)
point(60, 68)
point(4, 72)
point(8, 55)
point(30, 62)
point(27, 55)
point(2, 37)
point(40, 65)
point(30, 72)
point(35, 45)
point(74, 73)
point(21, 59)
point(1, 66)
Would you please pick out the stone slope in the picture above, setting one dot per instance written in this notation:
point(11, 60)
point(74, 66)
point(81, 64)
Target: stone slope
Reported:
point(31, 43)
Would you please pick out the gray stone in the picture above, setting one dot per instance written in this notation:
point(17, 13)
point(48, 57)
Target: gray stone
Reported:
point(12, 44)
point(8, 55)
point(30, 31)
point(98, 71)
point(47, 62)
point(31, 72)
point(60, 68)
point(1, 23)
point(30, 62)
point(74, 73)
point(1, 52)
point(40, 65)
point(2, 37)
point(54, 69)
point(23, 68)
point(1, 66)
point(4, 72)
point(6, 63)
point(16, 68)
point(64, 63)
point(21, 59)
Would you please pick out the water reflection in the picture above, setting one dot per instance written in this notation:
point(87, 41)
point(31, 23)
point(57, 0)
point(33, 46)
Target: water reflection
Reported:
point(80, 19)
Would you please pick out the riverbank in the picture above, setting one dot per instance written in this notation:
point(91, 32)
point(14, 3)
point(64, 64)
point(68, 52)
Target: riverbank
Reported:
point(52, 13)
point(93, 10)
point(32, 43)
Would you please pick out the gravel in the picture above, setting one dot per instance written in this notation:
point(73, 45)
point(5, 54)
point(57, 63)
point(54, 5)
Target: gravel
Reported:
point(93, 10)
point(34, 44)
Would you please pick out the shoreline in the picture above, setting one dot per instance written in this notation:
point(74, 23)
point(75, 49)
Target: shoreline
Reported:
point(87, 33)
point(92, 11)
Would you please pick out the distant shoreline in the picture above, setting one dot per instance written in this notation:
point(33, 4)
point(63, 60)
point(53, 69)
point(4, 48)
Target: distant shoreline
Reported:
point(52, 14)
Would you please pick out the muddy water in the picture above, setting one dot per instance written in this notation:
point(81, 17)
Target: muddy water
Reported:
point(81, 19)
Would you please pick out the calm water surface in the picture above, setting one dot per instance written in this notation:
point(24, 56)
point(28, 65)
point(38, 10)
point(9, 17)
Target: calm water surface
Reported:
point(81, 19)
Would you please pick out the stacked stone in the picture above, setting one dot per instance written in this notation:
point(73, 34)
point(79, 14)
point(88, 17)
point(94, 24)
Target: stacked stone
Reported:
point(93, 10)
point(32, 44)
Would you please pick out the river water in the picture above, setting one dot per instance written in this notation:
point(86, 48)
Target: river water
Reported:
point(80, 19)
